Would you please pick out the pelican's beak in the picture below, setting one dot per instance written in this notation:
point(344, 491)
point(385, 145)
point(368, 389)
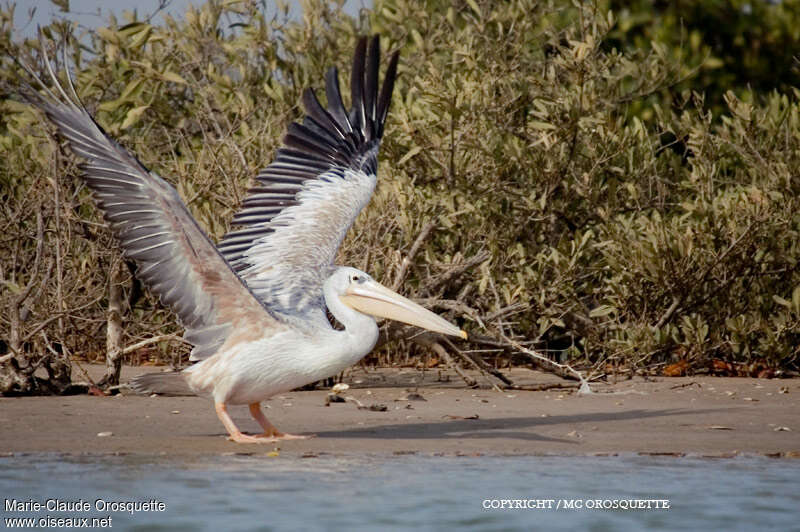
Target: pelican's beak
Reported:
point(375, 299)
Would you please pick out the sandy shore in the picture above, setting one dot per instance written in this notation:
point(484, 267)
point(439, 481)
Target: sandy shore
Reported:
point(692, 415)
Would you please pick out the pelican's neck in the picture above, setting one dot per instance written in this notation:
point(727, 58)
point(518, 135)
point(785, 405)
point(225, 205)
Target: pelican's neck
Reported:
point(360, 330)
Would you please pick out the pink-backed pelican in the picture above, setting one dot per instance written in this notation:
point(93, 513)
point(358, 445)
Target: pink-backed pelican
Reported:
point(254, 308)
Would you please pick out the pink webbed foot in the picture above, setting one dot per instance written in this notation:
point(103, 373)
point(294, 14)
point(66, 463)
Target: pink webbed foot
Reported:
point(270, 435)
point(279, 436)
point(270, 431)
point(240, 437)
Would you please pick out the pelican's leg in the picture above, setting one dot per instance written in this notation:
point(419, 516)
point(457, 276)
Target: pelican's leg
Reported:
point(270, 431)
point(235, 434)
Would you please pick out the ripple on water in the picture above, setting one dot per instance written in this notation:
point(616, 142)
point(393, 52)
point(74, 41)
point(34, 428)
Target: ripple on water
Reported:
point(414, 492)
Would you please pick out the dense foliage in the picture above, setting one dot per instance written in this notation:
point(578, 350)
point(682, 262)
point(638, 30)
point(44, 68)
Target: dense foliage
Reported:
point(562, 184)
point(740, 45)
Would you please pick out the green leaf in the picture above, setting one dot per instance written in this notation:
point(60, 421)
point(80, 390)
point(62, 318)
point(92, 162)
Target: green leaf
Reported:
point(108, 35)
point(409, 154)
point(131, 89)
point(63, 5)
point(536, 124)
point(172, 77)
point(141, 37)
point(110, 106)
point(779, 300)
point(133, 116)
point(133, 28)
point(474, 6)
point(602, 310)
point(13, 287)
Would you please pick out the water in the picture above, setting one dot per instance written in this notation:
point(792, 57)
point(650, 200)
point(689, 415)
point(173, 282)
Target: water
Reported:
point(412, 492)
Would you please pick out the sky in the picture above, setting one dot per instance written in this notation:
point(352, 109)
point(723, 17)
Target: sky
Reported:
point(90, 13)
point(93, 13)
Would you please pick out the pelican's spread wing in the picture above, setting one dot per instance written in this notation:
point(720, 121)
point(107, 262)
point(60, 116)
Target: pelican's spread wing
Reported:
point(174, 257)
point(303, 203)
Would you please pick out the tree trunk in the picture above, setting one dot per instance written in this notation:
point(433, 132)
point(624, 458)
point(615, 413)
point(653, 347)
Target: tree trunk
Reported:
point(114, 330)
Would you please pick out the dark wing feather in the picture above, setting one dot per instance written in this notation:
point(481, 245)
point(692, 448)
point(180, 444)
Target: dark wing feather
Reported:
point(297, 215)
point(358, 116)
point(334, 95)
point(386, 95)
point(175, 258)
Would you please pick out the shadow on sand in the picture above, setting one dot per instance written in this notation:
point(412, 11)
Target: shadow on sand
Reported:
point(508, 427)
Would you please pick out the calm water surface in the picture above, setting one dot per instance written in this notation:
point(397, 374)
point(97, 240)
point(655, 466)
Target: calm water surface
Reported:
point(411, 492)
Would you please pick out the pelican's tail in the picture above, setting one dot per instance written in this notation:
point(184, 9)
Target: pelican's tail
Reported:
point(165, 383)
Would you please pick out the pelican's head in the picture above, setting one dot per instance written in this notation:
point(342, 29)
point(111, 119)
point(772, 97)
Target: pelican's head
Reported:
point(361, 292)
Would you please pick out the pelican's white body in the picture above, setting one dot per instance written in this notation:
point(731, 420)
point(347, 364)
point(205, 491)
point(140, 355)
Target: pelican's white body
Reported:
point(261, 369)
point(294, 356)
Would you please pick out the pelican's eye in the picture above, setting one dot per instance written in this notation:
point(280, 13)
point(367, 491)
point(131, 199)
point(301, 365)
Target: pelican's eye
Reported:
point(355, 278)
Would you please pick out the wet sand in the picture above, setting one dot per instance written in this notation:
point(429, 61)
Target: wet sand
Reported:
point(690, 415)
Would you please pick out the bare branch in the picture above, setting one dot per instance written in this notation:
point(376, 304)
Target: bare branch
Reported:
point(670, 311)
point(153, 340)
point(505, 311)
point(584, 388)
point(58, 315)
point(425, 340)
point(474, 363)
point(408, 259)
point(455, 270)
point(36, 261)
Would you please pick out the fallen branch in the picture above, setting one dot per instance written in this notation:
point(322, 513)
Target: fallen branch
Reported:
point(442, 352)
point(544, 387)
point(584, 387)
point(480, 365)
point(432, 341)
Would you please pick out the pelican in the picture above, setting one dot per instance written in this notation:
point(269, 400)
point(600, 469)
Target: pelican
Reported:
point(254, 308)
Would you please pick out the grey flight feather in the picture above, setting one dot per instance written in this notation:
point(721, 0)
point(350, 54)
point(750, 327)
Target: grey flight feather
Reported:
point(175, 258)
point(295, 218)
point(171, 383)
